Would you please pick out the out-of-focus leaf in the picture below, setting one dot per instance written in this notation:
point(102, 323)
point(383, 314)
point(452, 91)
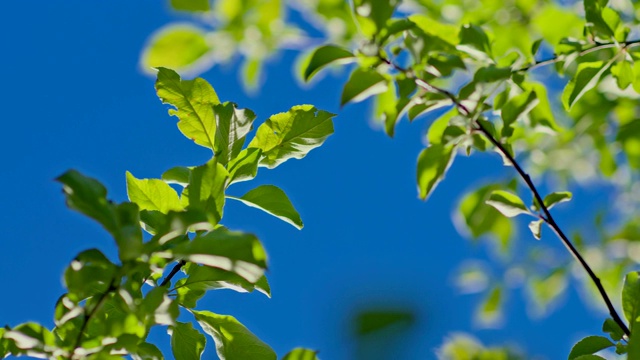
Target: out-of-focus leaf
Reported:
point(232, 126)
point(433, 163)
point(233, 340)
point(482, 219)
point(556, 197)
point(186, 342)
point(491, 74)
point(622, 71)
point(589, 345)
point(544, 290)
point(33, 338)
point(90, 273)
point(152, 194)
point(536, 228)
point(323, 56)
point(147, 351)
point(190, 5)
point(586, 78)
point(516, 107)
point(272, 200)
point(375, 320)
point(508, 204)
point(490, 310)
point(292, 134)
point(362, 84)
point(373, 14)
point(238, 252)
point(176, 46)
point(194, 101)
point(472, 37)
point(301, 354)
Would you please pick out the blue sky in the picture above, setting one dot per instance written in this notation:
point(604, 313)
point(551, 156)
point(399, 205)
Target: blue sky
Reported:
point(74, 97)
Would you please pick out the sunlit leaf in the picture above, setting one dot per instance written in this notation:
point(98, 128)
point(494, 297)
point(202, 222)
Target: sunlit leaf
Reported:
point(556, 197)
point(433, 163)
point(631, 297)
point(177, 175)
point(301, 354)
point(152, 194)
point(233, 340)
point(373, 14)
point(176, 46)
point(490, 310)
point(516, 107)
point(323, 56)
point(186, 342)
point(291, 135)
point(244, 166)
point(536, 228)
point(622, 71)
point(206, 189)
point(587, 77)
point(89, 273)
point(272, 200)
point(362, 84)
point(589, 345)
point(232, 126)
point(193, 100)
point(508, 204)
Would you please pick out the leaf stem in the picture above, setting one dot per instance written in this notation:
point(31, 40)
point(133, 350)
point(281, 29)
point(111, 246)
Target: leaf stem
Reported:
point(547, 218)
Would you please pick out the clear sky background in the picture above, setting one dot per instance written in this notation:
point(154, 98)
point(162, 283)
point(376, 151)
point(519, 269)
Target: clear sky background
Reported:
point(74, 97)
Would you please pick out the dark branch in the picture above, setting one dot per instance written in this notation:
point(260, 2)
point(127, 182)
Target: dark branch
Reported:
point(173, 272)
point(89, 314)
point(548, 218)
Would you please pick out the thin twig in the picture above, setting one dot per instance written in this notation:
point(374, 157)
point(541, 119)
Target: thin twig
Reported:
point(548, 218)
point(173, 272)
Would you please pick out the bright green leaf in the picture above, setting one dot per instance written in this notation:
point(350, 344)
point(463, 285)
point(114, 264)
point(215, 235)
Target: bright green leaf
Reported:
point(233, 340)
point(507, 203)
point(233, 251)
point(272, 200)
point(490, 310)
point(473, 39)
point(292, 134)
point(244, 166)
point(362, 84)
point(323, 56)
point(90, 273)
point(190, 5)
point(232, 126)
point(433, 163)
point(587, 77)
point(186, 342)
point(206, 189)
point(147, 351)
point(622, 71)
point(491, 74)
point(589, 345)
point(176, 46)
point(193, 100)
point(152, 194)
point(177, 175)
point(301, 354)
point(556, 197)
point(631, 297)
point(516, 107)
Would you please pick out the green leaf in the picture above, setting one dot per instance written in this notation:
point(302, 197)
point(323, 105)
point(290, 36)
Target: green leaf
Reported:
point(516, 107)
point(631, 298)
point(373, 14)
point(176, 46)
point(201, 279)
point(193, 100)
point(371, 321)
point(491, 74)
point(490, 310)
point(362, 84)
point(89, 274)
point(587, 77)
point(233, 251)
point(245, 166)
point(593, 13)
point(536, 228)
point(186, 342)
point(206, 189)
point(433, 163)
point(633, 347)
point(159, 308)
point(32, 337)
point(233, 340)
point(544, 290)
point(152, 194)
point(613, 329)
point(590, 357)
point(190, 5)
point(473, 39)
point(323, 56)
point(272, 200)
point(508, 204)
point(589, 345)
point(177, 175)
point(301, 354)
point(623, 73)
point(556, 197)
point(147, 351)
point(292, 134)
point(232, 126)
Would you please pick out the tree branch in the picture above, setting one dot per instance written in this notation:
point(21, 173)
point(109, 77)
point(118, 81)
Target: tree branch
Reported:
point(89, 314)
point(547, 218)
point(173, 272)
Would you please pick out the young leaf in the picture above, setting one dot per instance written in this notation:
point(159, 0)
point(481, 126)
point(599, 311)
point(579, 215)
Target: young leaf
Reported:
point(507, 203)
point(516, 107)
point(589, 345)
point(245, 166)
point(233, 340)
point(292, 134)
point(323, 56)
point(232, 125)
point(206, 189)
point(623, 73)
point(631, 297)
point(587, 77)
point(362, 84)
point(613, 329)
point(186, 342)
point(152, 194)
point(490, 310)
point(193, 100)
point(536, 228)
point(301, 354)
point(556, 197)
point(272, 200)
point(176, 46)
point(433, 163)
point(233, 251)
point(89, 197)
